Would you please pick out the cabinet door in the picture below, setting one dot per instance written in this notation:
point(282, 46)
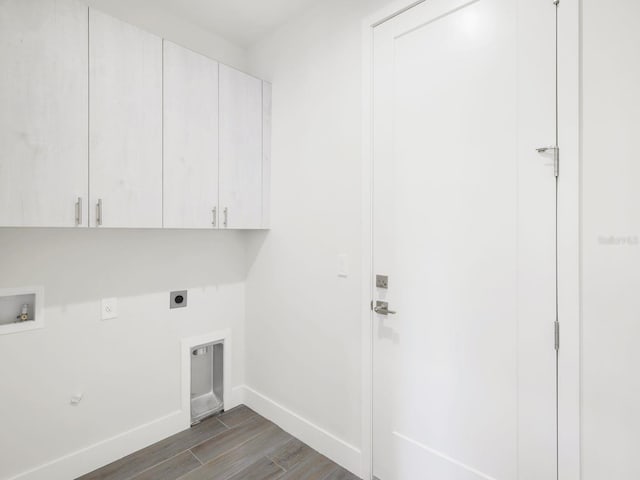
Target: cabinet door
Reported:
point(43, 113)
point(125, 127)
point(240, 149)
point(190, 139)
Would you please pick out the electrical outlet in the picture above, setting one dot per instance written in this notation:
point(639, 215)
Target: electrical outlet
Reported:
point(178, 299)
point(109, 308)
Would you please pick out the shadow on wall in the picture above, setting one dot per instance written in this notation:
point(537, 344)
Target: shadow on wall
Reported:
point(255, 242)
point(83, 265)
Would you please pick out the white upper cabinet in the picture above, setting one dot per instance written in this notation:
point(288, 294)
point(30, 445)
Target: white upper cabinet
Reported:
point(125, 125)
point(105, 125)
point(241, 155)
point(43, 113)
point(190, 139)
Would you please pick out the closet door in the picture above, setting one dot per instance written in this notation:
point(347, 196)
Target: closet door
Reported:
point(190, 139)
point(240, 149)
point(125, 129)
point(43, 113)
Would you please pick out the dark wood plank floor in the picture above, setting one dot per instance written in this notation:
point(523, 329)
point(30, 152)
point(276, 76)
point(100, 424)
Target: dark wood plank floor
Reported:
point(237, 445)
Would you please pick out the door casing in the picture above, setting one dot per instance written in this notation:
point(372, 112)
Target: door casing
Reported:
point(569, 242)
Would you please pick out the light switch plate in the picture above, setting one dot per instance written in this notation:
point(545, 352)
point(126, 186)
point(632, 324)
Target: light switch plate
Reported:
point(109, 308)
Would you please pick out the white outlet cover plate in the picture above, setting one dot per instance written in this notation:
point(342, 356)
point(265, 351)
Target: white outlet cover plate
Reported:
point(109, 308)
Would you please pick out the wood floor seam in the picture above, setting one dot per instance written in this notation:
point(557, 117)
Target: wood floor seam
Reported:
point(271, 459)
point(248, 419)
point(146, 470)
point(224, 424)
point(208, 439)
point(195, 457)
point(225, 452)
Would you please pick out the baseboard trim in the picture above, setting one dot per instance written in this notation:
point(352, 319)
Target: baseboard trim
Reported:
point(106, 451)
point(102, 453)
point(111, 449)
point(341, 452)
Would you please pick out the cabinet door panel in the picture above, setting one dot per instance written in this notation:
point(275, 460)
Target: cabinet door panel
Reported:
point(190, 139)
point(43, 112)
point(125, 129)
point(240, 148)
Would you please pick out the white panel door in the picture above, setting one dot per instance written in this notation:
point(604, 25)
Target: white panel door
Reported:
point(240, 149)
point(464, 227)
point(190, 139)
point(125, 125)
point(43, 113)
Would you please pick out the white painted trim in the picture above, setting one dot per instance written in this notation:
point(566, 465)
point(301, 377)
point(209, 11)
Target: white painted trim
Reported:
point(316, 437)
point(39, 310)
point(187, 344)
point(368, 25)
point(367, 250)
point(569, 209)
point(569, 243)
point(102, 453)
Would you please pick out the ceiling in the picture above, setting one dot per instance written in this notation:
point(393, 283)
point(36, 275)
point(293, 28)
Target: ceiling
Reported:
point(241, 21)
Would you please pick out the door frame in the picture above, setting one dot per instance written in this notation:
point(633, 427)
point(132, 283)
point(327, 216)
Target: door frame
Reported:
point(569, 240)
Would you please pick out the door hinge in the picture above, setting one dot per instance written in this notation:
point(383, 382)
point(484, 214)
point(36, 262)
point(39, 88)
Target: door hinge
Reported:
point(371, 305)
point(556, 157)
point(556, 334)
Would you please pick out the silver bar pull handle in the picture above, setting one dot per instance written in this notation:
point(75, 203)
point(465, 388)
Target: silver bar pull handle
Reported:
point(79, 211)
point(215, 216)
point(226, 217)
point(382, 308)
point(99, 212)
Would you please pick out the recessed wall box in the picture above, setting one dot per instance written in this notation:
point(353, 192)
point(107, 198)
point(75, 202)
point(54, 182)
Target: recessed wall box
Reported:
point(20, 309)
point(207, 390)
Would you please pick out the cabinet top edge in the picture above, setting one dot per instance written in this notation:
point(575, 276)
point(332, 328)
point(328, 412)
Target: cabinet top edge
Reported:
point(164, 39)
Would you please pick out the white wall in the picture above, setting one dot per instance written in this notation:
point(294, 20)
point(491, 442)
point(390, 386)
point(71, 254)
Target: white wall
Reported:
point(128, 368)
point(303, 336)
point(611, 240)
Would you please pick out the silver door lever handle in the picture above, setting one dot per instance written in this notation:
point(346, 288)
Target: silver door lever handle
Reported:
point(556, 156)
point(382, 308)
point(546, 149)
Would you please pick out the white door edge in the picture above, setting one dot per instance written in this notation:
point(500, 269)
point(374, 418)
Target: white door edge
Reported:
point(569, 241)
